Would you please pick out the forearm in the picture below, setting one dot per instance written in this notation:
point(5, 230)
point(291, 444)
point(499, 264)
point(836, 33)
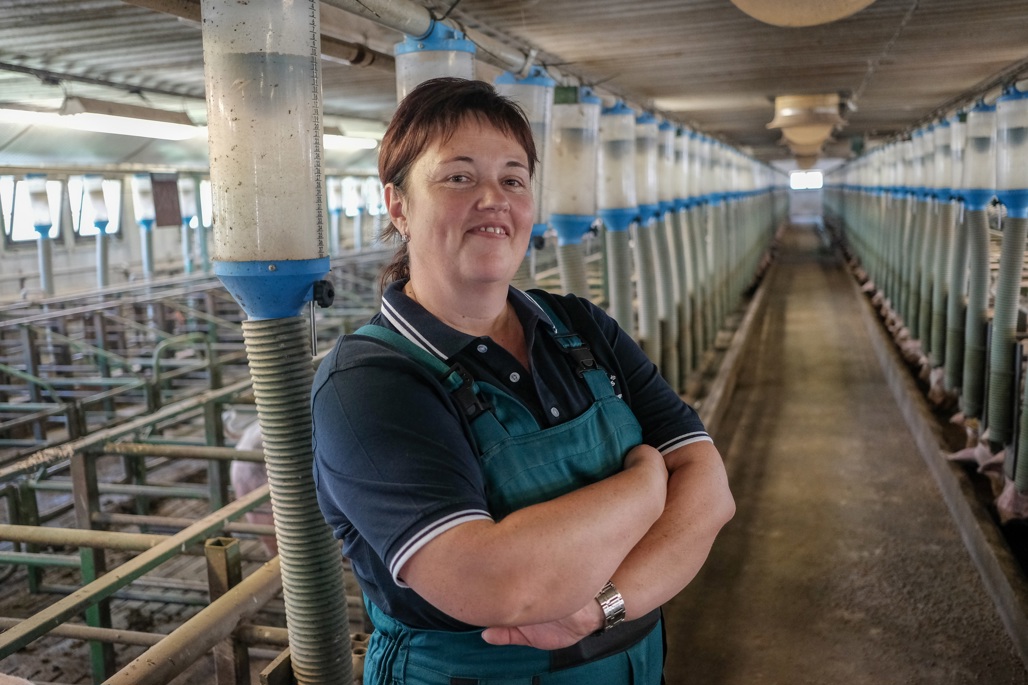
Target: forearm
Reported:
point(699, 503)
point(541, 562)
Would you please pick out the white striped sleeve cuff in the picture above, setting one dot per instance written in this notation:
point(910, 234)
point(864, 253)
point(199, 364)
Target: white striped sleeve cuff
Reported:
point(429, 533)
point(682, 441)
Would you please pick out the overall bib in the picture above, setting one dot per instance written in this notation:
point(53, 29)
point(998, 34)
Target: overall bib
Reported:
point(523, 464)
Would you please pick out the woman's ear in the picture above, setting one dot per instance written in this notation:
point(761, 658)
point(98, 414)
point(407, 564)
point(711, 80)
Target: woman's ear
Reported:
point(396, 206)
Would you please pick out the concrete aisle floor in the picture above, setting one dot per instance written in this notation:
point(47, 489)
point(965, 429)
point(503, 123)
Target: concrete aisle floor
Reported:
point(842, 565)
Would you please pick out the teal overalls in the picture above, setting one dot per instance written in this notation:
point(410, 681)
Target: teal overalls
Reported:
point(523, 464)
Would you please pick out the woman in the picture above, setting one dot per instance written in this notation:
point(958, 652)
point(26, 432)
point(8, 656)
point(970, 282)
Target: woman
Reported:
point(488, 457)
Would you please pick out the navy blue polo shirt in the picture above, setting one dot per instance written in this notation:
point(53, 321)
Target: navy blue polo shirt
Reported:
point(394, 464)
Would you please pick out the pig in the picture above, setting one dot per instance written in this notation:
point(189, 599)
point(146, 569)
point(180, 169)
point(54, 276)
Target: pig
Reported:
point(250, 475)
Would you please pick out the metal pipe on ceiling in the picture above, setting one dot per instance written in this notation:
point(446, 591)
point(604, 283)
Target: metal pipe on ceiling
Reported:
point(414, 20)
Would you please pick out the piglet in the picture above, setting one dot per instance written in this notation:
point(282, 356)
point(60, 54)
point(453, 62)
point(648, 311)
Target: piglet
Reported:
point(250, 475)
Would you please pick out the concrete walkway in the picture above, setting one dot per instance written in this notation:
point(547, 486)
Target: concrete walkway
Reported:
point(842, 565)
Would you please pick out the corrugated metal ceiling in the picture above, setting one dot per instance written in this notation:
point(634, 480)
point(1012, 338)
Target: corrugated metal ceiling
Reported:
point(701, 62)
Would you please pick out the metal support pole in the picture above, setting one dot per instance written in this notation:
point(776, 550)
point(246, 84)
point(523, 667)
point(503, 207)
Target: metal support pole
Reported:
point(231, 660)
point(106, 585)
point(94, 563)
point(181, 648)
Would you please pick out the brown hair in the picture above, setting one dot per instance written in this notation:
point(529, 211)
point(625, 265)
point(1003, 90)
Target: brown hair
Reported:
point(433, 111)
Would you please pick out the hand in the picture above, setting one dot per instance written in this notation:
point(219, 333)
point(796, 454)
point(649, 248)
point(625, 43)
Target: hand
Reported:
point(552, 634)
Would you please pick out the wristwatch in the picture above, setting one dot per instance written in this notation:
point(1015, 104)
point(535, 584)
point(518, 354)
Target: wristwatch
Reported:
point(613, 605)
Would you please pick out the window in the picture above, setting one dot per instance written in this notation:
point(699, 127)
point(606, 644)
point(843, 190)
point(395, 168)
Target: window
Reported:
point(83, 212)
point(206, 203)
point(806, 180)
point(18, 220)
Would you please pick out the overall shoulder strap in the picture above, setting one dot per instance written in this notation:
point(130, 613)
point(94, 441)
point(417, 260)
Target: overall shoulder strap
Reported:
point(576, 348)
point(457, 381)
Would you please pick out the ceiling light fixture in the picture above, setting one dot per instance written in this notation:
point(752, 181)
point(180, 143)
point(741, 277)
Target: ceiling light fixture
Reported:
point(100, 116)
point(338, 141)
point(807, 121)
point(793, 13)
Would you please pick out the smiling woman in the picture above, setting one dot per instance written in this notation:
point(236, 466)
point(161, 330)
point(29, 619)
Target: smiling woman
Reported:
point(516, 486)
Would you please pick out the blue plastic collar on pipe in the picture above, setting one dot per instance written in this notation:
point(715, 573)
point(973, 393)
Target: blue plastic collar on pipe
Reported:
point(439, 37)
point(272, 290)
point(645, 118)
point(618, 107)
point(667, 206)
point(539, 229)
point(619, 219)
point(570, 227)
point(1016, 202)
point(587, 96)
point(665, 125)
point(649, 211)
point(101, 225)
point(145, 225)
point(536, 76)
point(977, 199)
point(43, 230)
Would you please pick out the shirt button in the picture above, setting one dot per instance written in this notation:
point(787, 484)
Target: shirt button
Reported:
point(515, 377)
point(555, 412)
point(482, 348)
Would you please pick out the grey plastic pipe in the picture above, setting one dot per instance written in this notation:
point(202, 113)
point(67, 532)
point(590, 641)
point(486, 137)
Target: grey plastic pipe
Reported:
point(667, 303)
point(956, 306)
point(912, 268)
point(312, 573)
point(697, 232)
point(682, 251)
point(619, 277)
point(942, 284)
point(977, 317)
point(571, 264)
point(646, 289)
point(1003, 346)
point(929, 242)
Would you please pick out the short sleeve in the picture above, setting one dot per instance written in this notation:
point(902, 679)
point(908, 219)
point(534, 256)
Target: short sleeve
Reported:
point(393, 464)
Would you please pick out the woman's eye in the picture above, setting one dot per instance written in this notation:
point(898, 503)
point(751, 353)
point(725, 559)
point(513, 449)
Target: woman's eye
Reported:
point(458, 178)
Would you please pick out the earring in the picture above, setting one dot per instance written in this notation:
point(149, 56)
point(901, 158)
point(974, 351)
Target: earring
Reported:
point(404, 238)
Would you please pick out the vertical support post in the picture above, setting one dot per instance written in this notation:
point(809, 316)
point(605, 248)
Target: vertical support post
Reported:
point(28, 344)
point(231, 659)
point(28, 515)
point(94, 563)
point(217, 469)
point(103, 367)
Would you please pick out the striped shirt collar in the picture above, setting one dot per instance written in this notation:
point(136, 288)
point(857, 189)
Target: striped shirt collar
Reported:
point(419, 326)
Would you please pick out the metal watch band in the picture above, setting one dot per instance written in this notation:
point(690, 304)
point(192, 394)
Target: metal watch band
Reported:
point(613, 605)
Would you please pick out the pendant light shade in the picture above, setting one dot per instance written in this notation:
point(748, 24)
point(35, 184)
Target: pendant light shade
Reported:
point(800, 12)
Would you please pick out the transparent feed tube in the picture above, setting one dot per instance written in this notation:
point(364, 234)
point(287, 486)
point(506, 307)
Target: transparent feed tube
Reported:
point(262, 74)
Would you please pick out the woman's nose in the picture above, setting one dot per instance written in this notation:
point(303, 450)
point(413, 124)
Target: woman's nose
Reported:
point(493, 196)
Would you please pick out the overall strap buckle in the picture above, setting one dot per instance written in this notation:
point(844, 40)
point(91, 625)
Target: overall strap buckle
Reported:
point(462, 389)
point(580, 354)
point(583, 359)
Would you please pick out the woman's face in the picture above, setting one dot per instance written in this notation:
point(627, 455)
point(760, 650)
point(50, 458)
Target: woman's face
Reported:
point(467, 208)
